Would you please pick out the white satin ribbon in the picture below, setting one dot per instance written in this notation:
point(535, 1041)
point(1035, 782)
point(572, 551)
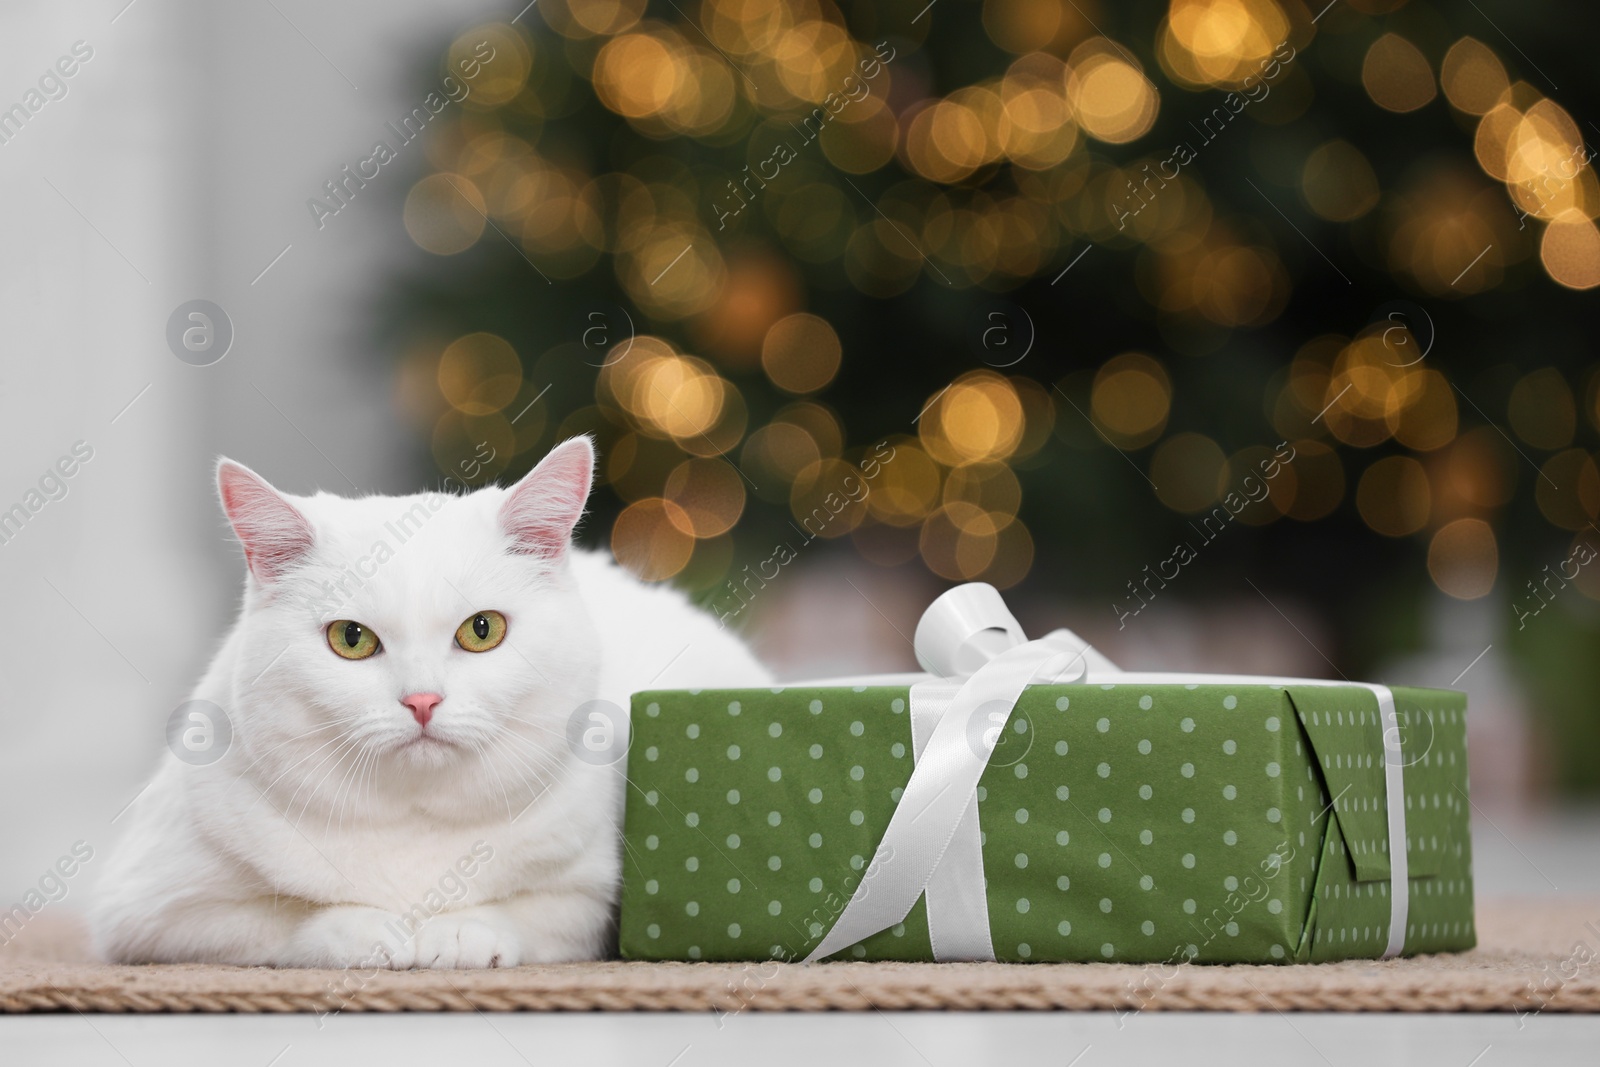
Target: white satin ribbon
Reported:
point(958, 907)
point(933, 845)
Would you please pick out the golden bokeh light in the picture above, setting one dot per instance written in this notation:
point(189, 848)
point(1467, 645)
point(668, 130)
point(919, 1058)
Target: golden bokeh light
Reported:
point(977, 417)
point(1037, 128)
point(986, 179)
point(1570, 251)
point(1492, 139)
point(637, 74)
point(1545, 141)
point(1396, 74)
point(776, 453)
point(820, 422)
point(479, 374)
point(946, 142)
point(1454, 235)
point(1131, 398)
point(673, 271)
point(1021, 26)
point(680, 397)
point(1479, 470)
point(709, 494)
point(636, 465)
point(648, 539)
point(1474, 79)
point(829, 498)
point(1038, 416)
point(580, 19)
point(812, 58)
point(1219, 279)
point(761, 288)
point(1013, 556)
point(1425, 417)
point(500, 77)
point(444, 214)
point(1113, 100)
point(907, 488)
point(664, 83)
point(797, 437)
point(861, 142)
point(991, 488)
point(1463, 559)
point(1369, 392)
point(1189, 471)
point(1394, 497)
point(961, 542)
point(675, 396)
point(1220, 43)
point(801, 353)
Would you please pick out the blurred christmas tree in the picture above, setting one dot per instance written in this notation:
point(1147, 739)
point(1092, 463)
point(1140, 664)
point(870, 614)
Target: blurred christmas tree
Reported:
point(1084, 270)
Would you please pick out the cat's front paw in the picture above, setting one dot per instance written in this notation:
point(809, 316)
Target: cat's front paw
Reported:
point(461, 941)
point(349, 935)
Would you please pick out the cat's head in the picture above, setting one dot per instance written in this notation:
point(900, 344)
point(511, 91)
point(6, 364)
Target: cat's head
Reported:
point(433, 636)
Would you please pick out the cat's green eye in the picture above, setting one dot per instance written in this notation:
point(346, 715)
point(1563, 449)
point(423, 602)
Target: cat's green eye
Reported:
point(482, 631)
point(351, 639)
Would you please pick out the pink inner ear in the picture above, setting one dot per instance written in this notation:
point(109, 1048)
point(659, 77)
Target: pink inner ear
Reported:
point(543, 508)
point(274, 534)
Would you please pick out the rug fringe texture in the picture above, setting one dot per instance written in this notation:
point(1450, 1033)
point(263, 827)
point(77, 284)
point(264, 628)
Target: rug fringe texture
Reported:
point(1535, 955)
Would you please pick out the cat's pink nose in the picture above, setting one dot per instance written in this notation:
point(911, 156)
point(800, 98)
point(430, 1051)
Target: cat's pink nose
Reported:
point(421, 705)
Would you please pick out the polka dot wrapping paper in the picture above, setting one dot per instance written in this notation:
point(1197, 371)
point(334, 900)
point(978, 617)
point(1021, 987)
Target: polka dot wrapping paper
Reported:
point(1135, 823)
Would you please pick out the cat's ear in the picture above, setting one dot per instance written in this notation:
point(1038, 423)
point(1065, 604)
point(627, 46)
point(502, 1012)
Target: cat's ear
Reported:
point(274, 534)
point(541, 510)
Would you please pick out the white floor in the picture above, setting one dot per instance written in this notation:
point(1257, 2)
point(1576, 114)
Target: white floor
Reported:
point(1535, 856)
point(921, 1040)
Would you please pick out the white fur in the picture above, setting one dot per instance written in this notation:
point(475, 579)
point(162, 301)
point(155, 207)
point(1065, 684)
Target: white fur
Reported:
point(327, 822)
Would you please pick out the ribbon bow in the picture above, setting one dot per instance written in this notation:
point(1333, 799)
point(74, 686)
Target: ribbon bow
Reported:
point(978, 662)
point(970, 641)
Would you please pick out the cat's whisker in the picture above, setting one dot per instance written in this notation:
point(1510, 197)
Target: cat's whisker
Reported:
point(539, 754)
point(263, 791)
point(345, 747)
point(543, 727)
point(530, 769)
point(340, 722)
point(340, 797)
point(289, 741)
point(480, 749)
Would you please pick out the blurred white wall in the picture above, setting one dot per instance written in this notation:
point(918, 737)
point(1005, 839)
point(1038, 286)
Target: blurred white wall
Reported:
point(175, 167)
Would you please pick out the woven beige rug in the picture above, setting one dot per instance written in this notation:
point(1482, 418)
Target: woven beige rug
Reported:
point(1539, 954)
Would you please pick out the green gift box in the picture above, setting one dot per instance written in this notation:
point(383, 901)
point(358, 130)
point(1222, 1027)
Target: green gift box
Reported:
point(1126, 817)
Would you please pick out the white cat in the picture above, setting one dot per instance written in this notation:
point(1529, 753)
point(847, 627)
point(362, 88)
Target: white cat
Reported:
point(416, 777)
